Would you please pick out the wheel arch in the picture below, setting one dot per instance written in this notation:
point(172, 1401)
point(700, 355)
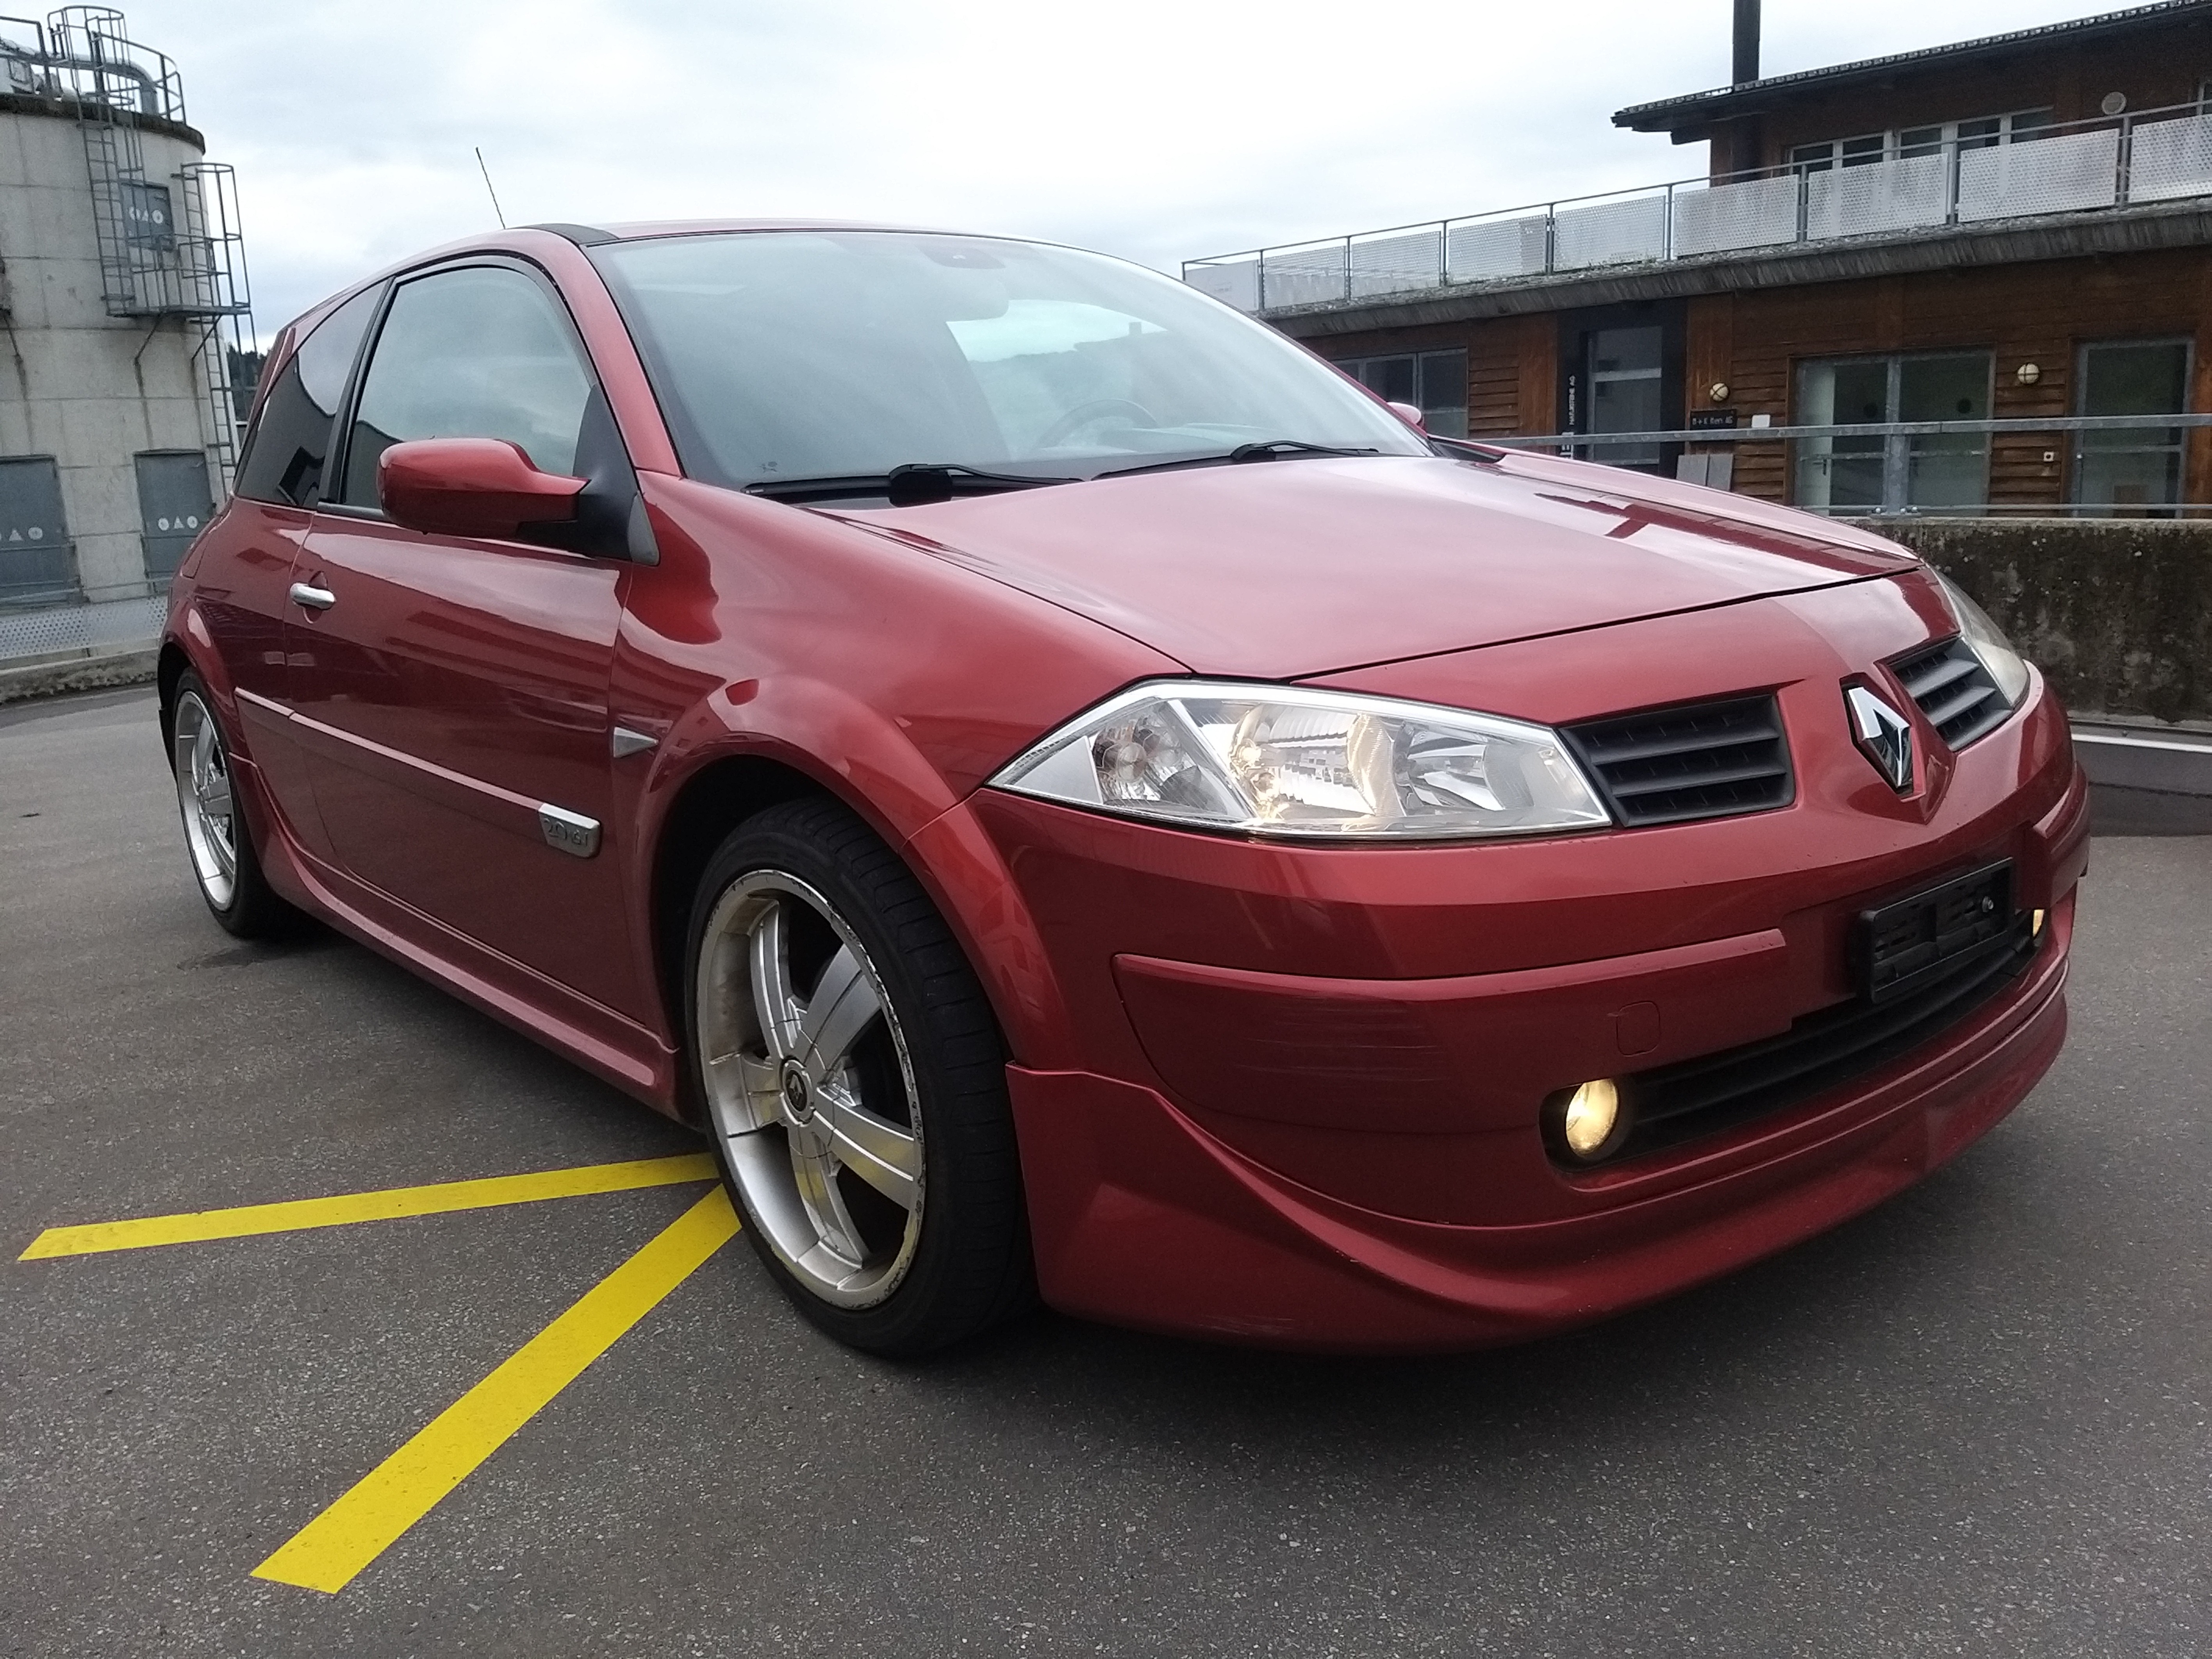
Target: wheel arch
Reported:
point(995, 931)
point(707, 806)
point(168, 669)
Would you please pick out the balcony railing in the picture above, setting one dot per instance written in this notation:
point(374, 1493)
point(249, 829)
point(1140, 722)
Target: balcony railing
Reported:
point(2156, 156)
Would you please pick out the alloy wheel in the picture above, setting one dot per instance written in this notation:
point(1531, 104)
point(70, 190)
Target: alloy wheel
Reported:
point(204, 793)
point(810, 1088)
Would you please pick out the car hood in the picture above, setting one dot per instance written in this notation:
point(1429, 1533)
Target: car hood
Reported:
point(1287, 569)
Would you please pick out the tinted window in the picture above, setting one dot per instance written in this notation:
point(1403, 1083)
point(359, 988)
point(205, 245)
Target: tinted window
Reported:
point(478, 353)
point(290, 439)
point(795, 354)
point(1436, 380)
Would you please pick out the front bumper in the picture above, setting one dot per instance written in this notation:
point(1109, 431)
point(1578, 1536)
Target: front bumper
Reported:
point(1290, 1094)
point(1142, 1218)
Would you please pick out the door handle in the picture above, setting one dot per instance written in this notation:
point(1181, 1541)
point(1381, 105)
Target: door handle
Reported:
point(313, 599)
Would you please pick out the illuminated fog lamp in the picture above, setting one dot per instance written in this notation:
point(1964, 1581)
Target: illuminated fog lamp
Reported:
point(2035, 924)
point(1590, 1120)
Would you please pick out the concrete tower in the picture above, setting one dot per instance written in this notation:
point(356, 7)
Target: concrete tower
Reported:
point(123, 301)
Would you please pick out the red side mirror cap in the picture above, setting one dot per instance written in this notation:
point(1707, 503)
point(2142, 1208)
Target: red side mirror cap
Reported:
point(471, 487)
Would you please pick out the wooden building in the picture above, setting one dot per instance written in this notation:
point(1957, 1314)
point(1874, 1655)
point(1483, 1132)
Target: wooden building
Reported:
point(2014, 228)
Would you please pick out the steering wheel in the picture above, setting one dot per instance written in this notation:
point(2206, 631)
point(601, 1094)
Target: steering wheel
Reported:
point(1082, 414)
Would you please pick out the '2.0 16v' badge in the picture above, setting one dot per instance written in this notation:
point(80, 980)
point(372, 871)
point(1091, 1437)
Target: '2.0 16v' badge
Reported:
point(1883, 735)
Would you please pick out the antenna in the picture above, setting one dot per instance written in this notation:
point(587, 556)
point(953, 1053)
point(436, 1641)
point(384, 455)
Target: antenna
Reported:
point(489, 191)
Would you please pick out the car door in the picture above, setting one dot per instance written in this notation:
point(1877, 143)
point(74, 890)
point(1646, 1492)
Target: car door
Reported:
point(240, 582)
point(452, 692)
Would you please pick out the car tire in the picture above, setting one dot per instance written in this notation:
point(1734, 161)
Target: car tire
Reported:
point(854, 1078)
point(218, 838)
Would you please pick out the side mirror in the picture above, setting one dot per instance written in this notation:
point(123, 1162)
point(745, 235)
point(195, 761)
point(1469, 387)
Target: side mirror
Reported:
point(471, 487)
point(1411, 414)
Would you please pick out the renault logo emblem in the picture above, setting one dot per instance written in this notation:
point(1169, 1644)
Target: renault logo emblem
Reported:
point(1883, 735)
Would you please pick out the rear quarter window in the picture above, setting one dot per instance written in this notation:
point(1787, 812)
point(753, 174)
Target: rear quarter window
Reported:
point(291, 436)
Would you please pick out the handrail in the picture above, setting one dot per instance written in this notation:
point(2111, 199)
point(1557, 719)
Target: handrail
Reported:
point(1663, 234)
point(1729, 435)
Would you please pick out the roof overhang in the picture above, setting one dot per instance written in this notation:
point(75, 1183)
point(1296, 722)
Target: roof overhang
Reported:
point(1701, 110)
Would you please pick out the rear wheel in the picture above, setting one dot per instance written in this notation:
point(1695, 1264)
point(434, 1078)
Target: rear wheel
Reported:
point(855, 1081)
point(221, 845)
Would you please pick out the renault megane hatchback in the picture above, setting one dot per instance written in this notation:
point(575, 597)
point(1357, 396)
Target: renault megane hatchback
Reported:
point(1079, 800)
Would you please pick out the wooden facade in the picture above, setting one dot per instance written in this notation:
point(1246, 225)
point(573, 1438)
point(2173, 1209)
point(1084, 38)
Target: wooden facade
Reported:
point(1751, 341)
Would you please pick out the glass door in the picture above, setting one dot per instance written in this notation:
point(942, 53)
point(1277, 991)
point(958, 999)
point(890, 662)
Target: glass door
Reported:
point(1841, 474)
point(1622, 372)
point(1898, 472)
point(2133, 472)
point(1947, 471)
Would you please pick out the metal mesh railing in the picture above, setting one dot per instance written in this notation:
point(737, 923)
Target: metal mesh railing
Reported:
point(2061, 173)
point(2157, 156)
point(81, 630)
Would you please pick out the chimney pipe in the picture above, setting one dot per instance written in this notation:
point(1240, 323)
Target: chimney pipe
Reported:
point(1746, 67)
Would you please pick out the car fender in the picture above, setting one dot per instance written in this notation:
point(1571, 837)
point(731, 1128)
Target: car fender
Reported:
point(886, 780)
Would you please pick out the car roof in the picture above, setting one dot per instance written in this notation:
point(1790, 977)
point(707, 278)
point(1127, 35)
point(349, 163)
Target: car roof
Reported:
point(527, 240)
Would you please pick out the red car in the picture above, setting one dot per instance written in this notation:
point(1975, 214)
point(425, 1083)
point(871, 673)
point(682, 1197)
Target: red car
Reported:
point(1079, 799)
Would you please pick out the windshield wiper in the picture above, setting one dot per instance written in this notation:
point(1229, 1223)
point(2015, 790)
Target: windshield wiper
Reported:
point(916, 484)
point(1271, 449)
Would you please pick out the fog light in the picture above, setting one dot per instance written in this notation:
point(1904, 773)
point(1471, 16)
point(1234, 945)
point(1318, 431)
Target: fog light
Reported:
point(2035, 924)
point(1592, 1114)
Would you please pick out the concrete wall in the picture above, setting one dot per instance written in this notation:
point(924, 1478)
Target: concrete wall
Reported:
point(2117, 613)
point(90, 390)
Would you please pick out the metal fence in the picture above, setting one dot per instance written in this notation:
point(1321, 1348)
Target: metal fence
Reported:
point(63, 632)
point(2155, 156)
point(1949, 440)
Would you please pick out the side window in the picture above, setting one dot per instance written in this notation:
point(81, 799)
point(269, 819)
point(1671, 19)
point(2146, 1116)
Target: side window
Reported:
point(291, 438)
point(481, 352)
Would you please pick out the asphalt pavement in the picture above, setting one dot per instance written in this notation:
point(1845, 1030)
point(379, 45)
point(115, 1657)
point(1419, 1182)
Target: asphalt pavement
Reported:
point(1973, 1421)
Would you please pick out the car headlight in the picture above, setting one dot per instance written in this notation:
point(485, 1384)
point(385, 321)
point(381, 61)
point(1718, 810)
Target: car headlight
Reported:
point(2007, 667)
point(1281, 760)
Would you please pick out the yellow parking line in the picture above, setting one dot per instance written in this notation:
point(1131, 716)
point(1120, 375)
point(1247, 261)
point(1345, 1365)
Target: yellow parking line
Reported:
point(330, 1550)
point(384, 1205)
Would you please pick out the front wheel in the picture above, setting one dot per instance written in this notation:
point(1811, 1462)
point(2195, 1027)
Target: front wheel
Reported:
point(854, 1082)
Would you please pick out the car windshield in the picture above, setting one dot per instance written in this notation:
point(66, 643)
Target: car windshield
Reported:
point(780, 356)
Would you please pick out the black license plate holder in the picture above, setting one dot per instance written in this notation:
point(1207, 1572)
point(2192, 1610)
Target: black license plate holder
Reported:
point(1910, 942)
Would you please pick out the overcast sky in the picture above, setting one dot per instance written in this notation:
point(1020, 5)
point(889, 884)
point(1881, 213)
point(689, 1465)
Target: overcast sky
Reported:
point(1158, 129)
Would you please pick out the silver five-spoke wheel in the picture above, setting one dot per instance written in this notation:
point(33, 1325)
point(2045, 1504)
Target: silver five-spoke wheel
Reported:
point(811, 1087)
point(204, 793)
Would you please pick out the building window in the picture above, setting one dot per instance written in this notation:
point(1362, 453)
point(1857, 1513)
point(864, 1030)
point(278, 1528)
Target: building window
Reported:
point(1840, 152)
point(2135, 472)
point(1896, 472)
point(1870, 148)
point(1434, 380)
point(174, 502)
point(37, 564)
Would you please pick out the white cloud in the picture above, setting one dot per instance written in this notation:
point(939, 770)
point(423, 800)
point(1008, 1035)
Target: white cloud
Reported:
point(1159, 130)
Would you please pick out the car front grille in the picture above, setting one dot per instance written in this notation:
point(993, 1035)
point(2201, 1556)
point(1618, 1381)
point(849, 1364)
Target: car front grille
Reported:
point(1953, 691)
point(1705, 760)
point(1818, 1052)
